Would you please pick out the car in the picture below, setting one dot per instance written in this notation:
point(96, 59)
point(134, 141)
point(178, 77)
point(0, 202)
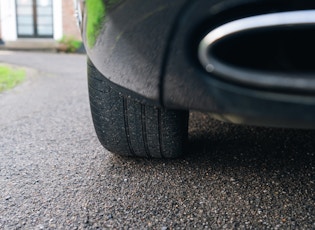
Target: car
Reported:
point(151, 62)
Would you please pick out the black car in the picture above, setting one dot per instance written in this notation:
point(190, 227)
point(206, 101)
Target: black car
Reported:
point(151, 62)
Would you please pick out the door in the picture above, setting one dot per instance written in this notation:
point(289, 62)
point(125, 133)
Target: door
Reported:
point(34, 18)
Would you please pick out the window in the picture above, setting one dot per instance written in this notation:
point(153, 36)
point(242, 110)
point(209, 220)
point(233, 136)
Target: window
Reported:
point(34, 18)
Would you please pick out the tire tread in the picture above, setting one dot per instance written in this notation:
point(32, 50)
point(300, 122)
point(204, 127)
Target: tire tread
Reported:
point(128, 127)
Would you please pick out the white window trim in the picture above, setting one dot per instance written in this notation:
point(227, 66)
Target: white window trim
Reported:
point(57, 8)
point(8, 20)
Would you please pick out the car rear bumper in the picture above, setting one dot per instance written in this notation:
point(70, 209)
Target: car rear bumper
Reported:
point(150, 48)
point(287, 99)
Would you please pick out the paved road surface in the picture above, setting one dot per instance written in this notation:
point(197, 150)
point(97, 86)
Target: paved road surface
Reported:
point(55, 174)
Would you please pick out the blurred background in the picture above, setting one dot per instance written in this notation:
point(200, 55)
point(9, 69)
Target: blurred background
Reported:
point(39, 25)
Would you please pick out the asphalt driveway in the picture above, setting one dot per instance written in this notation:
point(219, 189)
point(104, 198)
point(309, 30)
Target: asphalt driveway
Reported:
point(55, 175)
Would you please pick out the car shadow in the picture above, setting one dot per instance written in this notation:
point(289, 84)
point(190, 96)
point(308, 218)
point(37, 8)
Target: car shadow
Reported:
point(232, 145)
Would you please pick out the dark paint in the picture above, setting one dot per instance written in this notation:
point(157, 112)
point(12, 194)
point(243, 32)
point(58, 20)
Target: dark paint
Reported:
point(150, 49)
point(188, 86)
point(131, 45)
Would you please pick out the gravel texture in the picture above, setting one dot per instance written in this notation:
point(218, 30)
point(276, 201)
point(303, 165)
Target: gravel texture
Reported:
point(55, 175)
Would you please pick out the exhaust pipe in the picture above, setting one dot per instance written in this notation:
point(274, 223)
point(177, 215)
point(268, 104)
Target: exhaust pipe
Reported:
point(273, 51)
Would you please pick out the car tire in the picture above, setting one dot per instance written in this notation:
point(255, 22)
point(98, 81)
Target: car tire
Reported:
point(128, 126)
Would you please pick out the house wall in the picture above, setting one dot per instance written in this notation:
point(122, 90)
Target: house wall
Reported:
point(0, 23)
point(69, 26)
point(64, 20)
point(0, 26)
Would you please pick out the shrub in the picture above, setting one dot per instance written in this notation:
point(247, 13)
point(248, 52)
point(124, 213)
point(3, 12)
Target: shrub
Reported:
point(69, 44)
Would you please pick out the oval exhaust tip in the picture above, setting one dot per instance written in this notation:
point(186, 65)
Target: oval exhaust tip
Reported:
point(274, 51)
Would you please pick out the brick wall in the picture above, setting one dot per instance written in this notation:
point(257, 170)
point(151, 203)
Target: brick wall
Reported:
point(69, 21)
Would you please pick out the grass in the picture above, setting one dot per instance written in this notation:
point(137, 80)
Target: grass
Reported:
point(10, 77)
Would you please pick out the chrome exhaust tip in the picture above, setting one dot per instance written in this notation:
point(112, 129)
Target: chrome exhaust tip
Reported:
point(273, 51)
